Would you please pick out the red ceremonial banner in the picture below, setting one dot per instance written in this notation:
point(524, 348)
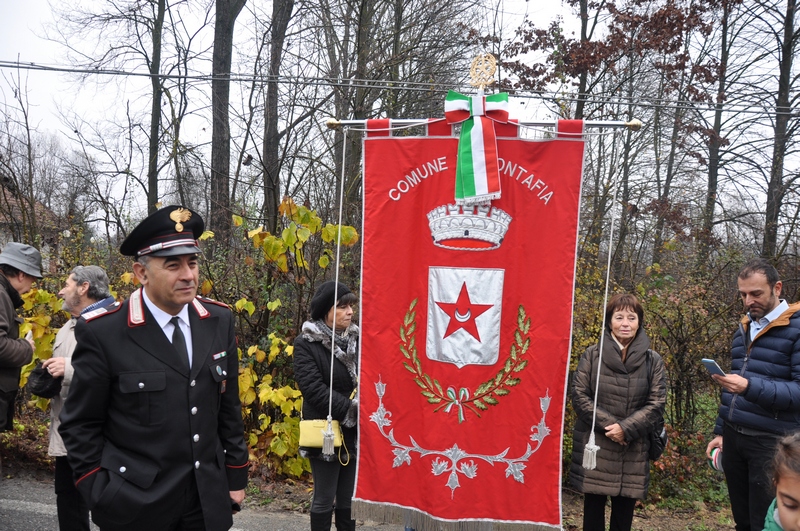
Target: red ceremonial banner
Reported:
point(466, 315)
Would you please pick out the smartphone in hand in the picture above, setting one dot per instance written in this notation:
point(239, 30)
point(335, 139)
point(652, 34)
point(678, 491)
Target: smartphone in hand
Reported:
point(712, 367)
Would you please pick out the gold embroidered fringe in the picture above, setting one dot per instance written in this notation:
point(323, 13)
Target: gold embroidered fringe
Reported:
point(390, 514)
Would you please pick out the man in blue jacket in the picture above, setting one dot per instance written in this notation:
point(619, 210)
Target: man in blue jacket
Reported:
point(760, 397)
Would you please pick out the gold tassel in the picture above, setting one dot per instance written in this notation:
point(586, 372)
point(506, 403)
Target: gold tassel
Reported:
point(590, 454)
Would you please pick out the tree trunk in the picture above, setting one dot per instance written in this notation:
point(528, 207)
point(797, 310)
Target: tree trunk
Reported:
point(281, 14)
point(776, 190)
point(584, 75)
point(714, 145)
point(155, 111)
point(220, 219)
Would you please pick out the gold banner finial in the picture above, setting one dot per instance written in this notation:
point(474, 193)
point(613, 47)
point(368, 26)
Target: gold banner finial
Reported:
point(482, 70)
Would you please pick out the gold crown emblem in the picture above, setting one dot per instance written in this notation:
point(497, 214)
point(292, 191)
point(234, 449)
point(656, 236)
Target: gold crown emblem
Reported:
point(180, 216)
point(468, 228)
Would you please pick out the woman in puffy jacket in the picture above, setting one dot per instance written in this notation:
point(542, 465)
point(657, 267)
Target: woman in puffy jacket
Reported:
point(629, 403)
point(334, 475)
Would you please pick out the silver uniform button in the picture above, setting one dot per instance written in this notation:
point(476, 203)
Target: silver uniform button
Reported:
point(194, 411)
point(196, 465)
point(196, 438)
point(191, 384)
point(141, 385)
point(122, 470)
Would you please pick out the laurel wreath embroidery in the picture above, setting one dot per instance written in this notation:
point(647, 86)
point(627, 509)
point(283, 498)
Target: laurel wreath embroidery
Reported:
point(486, 394)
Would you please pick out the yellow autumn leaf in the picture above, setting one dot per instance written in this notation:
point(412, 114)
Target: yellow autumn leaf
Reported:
point(255, 232)
point(273, 248)
point(206, 235)
point(237, 220)
point(282, 263)
point(287, 207)
point(349, 235)
point(205, 288)
point(274, 305)
point(274, 350)
point(303, 234)
point(126, 278)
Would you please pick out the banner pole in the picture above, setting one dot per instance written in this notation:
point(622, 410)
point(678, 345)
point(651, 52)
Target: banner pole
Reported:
point(633, 125)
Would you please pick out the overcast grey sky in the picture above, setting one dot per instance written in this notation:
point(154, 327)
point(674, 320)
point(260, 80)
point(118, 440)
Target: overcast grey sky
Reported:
point(21, 37)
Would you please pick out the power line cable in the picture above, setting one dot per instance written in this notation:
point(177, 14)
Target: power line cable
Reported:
point(643, 102)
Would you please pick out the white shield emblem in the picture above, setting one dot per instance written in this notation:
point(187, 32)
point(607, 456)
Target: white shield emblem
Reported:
point(464, 309)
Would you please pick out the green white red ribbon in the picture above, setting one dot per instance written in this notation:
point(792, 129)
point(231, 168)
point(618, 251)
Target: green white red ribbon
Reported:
point(477, 173)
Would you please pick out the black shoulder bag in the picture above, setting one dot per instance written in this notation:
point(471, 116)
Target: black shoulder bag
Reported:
point(658, 435)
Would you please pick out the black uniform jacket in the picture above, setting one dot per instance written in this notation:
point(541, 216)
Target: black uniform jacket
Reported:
point(137, 424)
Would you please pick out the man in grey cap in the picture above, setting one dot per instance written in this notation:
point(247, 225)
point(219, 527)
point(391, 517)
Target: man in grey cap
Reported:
point(20, 266)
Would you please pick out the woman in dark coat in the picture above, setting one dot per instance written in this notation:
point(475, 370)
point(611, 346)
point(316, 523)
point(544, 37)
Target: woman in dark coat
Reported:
point(334, 476)
point(629, 403)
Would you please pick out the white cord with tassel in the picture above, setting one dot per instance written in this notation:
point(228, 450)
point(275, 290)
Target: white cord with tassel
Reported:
point(328, 437)
point(591, 448)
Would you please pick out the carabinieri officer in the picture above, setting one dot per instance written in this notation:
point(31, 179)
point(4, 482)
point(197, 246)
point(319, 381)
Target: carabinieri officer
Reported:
point(152, 424)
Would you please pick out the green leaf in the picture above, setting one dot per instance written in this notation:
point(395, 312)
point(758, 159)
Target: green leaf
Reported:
point(419, 383)
point(511, 382)
point(407, 366)
point(489, 399)
point(434, 400)
point(289, 235)
point(405, 352)
point(324, 261)
point(438, 387)
point(507, 365)
point(480, 405)
point(483, 388)
point(522, 365)
point(501, 392)
point(278, 446)
point(428, 394)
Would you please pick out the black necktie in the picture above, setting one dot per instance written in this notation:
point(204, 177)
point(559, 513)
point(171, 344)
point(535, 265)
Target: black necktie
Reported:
point(179, 341)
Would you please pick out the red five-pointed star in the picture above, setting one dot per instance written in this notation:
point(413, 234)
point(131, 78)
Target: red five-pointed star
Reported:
point(462, 313)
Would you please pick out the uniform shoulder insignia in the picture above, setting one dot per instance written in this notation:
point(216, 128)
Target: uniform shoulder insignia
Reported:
point(100, 312)
point(212, 301)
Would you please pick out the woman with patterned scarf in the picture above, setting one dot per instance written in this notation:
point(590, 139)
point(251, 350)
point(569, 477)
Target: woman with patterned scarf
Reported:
point(334, 478)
